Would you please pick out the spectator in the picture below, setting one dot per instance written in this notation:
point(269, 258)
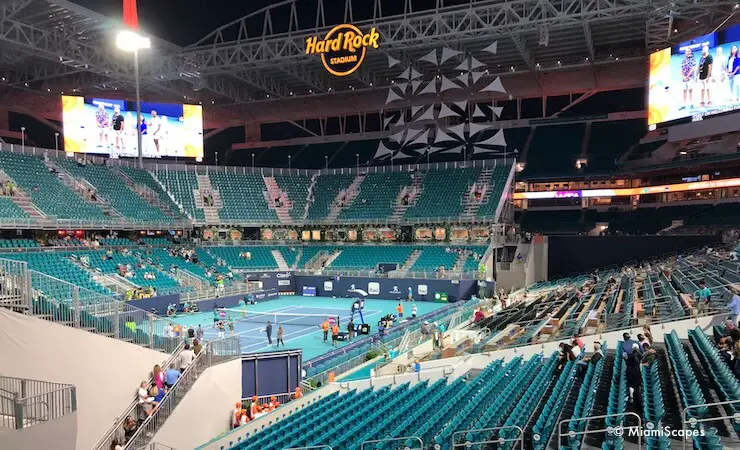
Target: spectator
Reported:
point(649, 357)
point(199, 333)
point(255, 409)
point(158, 376)
point(704, 297)
point(735, 307)
point(129, 428)
point(115, 445)
point(647, 333)
point(633, 374)
point(582, 366)
point(628, 345)
point(566, 354)
point(186, 358)
point(297, 394)
point(644, 344)
point(144, 393)
point(197, 347)
point(578, 341)
point(236, 415)
point(157, 394)
point(171, 376)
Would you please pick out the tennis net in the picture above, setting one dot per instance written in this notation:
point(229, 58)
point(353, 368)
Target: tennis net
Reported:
point(275, 318)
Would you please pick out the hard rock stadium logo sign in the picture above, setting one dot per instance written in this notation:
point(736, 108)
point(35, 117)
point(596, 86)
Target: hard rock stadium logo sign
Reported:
point(343, 48)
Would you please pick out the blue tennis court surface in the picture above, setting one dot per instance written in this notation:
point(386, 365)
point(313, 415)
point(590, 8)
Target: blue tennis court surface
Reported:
point(299, 335)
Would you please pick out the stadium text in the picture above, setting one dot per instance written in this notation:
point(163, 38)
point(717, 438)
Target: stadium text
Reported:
point(343, 48)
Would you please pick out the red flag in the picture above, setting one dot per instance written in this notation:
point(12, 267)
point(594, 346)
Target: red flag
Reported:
point(130, 17)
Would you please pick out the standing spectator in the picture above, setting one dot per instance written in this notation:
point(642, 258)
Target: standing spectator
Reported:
point(197, 347)
point(633, 375)
point(647, 333)
point(171, 376)
point(350, 329)
point(199, 333)
point(582, 366)
point(644, 343)
point(325, 328)
point(399, 310)
point(129, 428)
point(578, 341)
point(735, 307)
point(414, 311)
point(186, 358)
point(628, 345)
point(334, 334)
point(158, 376)
point(704, 296)
point(268, 332)
point(236, 415)
point(280, 333)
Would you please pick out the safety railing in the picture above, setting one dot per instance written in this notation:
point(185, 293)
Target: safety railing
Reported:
point(156, 446)
point(207, 293)
point(611, 431)
point(281, 398)
point(15, 285)
point(71, 305)
point(25, 403)
point(116, 430)
point(470, 275)
point(691, 423)
point(214, 353)
point(466, 443)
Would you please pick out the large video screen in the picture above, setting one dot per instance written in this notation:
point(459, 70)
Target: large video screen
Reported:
point(695, 78)
point(105, 126)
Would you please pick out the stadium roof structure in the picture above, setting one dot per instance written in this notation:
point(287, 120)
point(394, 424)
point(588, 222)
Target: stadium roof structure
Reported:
point(257, 64)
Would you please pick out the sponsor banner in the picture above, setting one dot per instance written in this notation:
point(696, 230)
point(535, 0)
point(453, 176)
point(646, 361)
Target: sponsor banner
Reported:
point(282, 281)
point(309, 291)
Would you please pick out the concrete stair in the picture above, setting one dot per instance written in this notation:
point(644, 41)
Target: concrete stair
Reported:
point(411, 260)
point(204, 188)
point(274, 191)
point(470, 204)
point(399, 210)
point(282, 264)
point(309, 195)
point(83, 187)
point(146, 193)
point(297, 258)
point(352, 192)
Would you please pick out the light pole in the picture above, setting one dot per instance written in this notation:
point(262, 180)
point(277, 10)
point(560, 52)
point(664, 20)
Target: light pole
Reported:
point(357, 159)
point(252, 160)
point(326, 161)
point(56, 141)
point(290, 158)
point(130, 41)
point(23, 139)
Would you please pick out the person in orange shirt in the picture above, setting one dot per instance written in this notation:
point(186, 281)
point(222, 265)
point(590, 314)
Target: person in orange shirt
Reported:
point(297, 394)
point(238, 411)
point(399, 310)
point(325, 328)
point(254, 408)
point(334, 334)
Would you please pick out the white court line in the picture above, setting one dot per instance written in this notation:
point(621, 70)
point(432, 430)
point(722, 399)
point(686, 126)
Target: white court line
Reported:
point(300, 331)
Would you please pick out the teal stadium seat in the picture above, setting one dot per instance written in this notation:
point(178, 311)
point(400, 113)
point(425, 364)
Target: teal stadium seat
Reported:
point(46, 191)
point(243, 197)
point(442, 193)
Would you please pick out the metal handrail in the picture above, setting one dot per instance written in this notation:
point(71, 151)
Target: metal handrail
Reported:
point(694, 421)
point(500, 440)
point(310, 448)
point(609, 429)
point(104, 442)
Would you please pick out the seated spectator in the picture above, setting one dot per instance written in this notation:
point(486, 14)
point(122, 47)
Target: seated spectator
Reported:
point(297, 394)
point(255, 409)
point(244, 418)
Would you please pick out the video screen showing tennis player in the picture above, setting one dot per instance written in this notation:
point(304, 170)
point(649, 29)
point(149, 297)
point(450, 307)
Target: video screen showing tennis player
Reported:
point(109, 127)
point(696, 78)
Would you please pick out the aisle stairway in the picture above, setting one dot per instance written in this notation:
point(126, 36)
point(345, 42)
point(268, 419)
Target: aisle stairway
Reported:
point(411, 259)
point(416, 187)
point(282, 264)
point(204, 188)
point(470, 204)
point(147, 193)
point(351, 193)
point(83, 188)
point(273, 192)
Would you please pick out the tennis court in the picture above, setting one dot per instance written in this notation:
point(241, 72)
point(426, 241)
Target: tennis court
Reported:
point(300, 317)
